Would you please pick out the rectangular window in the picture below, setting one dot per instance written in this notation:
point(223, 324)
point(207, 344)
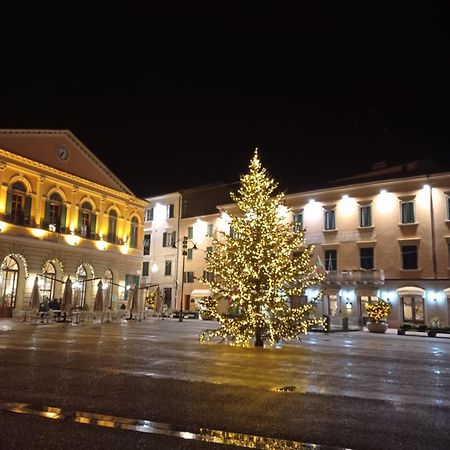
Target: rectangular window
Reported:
point(366, 258)
point(448, 253)
point(168, 296)
point(188, 277)
point(209, 230)
point(298, 222)
point(208, 276)
point(149, 214)
point(448, 207)
point(210, 249)
point(365, 216)
point(168, 268)
point(189, 253)
point(330, 220)
point(407, 211)
point(169, 239)
point(170, 211)
point(147, 242)
point(409, 257)
point(331, 259)
point(145, 269)
point(190, 232)
point(233, 234)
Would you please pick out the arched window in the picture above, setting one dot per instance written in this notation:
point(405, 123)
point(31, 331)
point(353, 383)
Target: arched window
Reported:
point(108, 286)
point(86, 221)
point(9, 277)
point(55, 213)
point(112, 227)
point(80, 293)
point(18, 204)
point(134, 227)
point(49, 274)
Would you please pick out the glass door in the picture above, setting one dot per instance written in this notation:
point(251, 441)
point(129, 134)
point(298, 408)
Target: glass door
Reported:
point(413, 309)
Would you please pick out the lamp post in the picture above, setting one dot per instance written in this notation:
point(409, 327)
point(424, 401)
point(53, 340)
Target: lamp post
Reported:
point(184, 254)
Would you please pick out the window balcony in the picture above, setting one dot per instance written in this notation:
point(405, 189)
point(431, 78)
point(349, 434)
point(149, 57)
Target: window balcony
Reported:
point(351, 277)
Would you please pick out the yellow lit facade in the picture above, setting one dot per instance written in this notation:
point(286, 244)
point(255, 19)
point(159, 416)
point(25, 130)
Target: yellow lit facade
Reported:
point(63, 214)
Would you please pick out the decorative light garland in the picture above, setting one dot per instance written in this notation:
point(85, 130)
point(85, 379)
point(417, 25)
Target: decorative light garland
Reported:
point(18, 256)
point(255, 269)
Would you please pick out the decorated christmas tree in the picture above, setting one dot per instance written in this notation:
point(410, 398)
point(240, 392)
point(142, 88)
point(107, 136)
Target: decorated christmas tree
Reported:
point(257, 266)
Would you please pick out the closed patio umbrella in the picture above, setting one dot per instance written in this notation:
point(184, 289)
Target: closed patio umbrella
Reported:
point(134, 300)
point(35, 298)
point(67, 296)
point(98, 303)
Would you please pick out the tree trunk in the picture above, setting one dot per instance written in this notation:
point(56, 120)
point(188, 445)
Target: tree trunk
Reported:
point(259, 342)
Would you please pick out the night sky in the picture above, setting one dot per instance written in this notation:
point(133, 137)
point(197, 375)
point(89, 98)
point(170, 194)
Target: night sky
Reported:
point(181, 98)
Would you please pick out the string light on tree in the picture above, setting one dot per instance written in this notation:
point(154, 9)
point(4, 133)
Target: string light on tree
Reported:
point(257, 266)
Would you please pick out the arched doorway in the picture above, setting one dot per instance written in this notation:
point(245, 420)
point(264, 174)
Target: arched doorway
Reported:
point(9, 279)
point(49, 281)
point(83, 285)
point(412, 303)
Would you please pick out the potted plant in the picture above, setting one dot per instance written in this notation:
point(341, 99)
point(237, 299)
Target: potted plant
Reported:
point(378, 312)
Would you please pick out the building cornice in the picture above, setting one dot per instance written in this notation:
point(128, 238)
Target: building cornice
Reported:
point(75, 141)
point(13, 158)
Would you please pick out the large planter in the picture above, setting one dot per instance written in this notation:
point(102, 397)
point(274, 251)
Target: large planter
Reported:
point(377, 327)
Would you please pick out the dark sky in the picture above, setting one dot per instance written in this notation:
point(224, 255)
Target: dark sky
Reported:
point(180, 98)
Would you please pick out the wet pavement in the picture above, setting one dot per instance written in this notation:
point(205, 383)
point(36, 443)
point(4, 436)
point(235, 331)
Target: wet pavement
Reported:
point(349, 390)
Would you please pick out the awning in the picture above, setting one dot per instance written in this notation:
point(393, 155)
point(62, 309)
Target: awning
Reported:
point(201, 293)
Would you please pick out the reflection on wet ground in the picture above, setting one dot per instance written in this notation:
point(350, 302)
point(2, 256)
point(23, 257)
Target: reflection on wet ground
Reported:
point(152, 427)
point(158, 370)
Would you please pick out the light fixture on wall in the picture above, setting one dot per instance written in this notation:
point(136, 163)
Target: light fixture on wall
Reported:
point(72, 238)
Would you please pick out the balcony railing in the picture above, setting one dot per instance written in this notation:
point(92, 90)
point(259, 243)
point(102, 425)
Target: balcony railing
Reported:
point(372, 277)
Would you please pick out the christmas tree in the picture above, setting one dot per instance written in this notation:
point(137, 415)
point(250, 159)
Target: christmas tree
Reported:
point(257, 267)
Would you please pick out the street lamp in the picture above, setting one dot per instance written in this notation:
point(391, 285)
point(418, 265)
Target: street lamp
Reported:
point(184, 254)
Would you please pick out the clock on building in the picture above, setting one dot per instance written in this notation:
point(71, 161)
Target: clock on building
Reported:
point(62, 152)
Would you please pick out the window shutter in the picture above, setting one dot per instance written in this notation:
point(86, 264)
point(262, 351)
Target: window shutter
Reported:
point(27, 210)
point(63, 218)
point(93, 224)
point(80, 216)
point(8, 204)
point(47, 213)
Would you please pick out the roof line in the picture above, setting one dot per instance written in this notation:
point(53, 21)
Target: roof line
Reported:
point(80, 145)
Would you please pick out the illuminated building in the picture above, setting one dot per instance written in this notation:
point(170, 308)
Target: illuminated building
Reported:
point(63, 214)
point(385, 234)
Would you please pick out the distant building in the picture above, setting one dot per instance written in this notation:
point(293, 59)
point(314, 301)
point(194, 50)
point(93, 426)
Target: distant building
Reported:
point(166, 219)
point(160, 255)
point(384, 234)
point(63, 213)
